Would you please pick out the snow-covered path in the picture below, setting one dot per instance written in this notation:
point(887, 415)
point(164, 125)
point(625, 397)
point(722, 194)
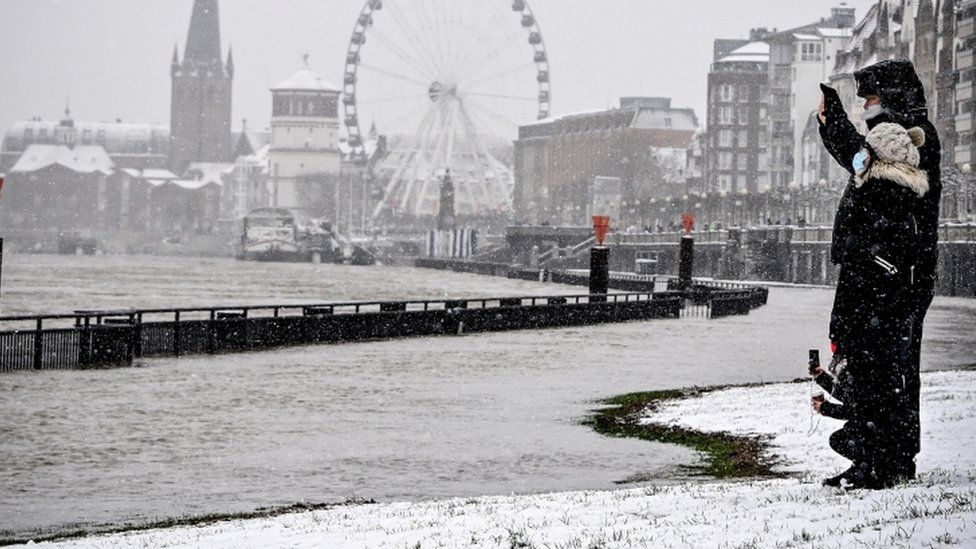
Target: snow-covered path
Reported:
point(939, 509)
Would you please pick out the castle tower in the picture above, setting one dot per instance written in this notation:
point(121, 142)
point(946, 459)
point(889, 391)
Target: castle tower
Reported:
point(200, 111)
point(304, 158)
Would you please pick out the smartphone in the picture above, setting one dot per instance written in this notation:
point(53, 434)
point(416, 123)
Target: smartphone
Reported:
point(814, 360)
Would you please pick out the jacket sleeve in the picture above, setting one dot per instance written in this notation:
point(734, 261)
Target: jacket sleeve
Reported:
point(839, 135)
point(825, 381)
point(835, 411)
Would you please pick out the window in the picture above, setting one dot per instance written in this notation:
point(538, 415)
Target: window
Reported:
point(280, 107)
point(724, 182)
point(743, 92)
point(725, 138)
point(724, 115)
point(740, 181)
point(725, 93)
point(810, 51)
point(86, 136)
point(742, 114)
point(667, 122)
point(29, 135)
point(740, 162)
point(743, 138)
point(725, 160)
point(42, 134)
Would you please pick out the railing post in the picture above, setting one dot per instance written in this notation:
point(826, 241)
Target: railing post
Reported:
point(84, 342)
point(177, 335)
point(212, 333)
point(137, 335)
point(39, 345)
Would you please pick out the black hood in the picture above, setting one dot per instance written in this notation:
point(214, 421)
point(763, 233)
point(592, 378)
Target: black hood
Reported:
point(897, 85)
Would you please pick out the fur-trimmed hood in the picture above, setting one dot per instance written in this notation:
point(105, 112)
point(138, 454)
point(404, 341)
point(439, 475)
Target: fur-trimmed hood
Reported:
point(898, 173)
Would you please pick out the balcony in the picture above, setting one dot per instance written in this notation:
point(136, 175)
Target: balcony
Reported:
point(964, 92)
point(964, 123)
point(964, 59)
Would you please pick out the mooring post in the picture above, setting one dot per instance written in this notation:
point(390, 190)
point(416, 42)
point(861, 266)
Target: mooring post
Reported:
point(599, 272)
point(39, 344)
point(600, 260)
point(686, 257)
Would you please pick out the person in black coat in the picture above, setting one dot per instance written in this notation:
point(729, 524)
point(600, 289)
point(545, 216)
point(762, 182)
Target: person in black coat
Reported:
point(872, 318)
point(893, 93)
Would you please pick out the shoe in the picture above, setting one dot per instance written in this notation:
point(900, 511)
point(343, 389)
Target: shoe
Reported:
point(836, 480)
point(899, 473)
point(865, 477)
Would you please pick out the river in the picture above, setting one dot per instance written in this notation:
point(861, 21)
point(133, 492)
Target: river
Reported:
point(393, 420)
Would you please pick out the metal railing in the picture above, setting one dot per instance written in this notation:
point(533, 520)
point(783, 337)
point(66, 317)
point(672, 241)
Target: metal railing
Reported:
point(113, 337)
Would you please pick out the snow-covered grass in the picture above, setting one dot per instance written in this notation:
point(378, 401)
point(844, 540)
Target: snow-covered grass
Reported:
point(938, 509)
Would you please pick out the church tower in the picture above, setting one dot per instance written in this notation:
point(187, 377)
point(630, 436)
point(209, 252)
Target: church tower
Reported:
point(200, 111)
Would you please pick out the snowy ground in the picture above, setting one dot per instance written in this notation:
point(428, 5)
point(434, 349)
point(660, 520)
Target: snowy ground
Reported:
point(939, 509)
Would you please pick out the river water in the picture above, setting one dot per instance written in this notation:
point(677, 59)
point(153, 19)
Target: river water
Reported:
point(394, 420)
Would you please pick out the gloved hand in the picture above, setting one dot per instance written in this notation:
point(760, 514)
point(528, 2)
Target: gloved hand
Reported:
point(833, 107)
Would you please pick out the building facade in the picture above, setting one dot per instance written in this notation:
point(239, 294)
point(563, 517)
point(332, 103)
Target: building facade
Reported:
point(200, 110)
point(644, 143)
point(735, 154)
point(304, 160)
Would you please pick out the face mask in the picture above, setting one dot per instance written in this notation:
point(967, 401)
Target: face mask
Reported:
point(860, 159)
point(872, 112)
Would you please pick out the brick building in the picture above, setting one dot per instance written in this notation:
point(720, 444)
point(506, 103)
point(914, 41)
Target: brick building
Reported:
point(644, 143)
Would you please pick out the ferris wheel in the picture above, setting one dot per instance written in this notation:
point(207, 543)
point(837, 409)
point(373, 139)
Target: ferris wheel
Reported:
point(448, 82)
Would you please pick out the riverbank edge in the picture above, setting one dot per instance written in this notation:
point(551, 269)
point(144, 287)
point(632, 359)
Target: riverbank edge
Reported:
point(725, 455)
point(186, 520)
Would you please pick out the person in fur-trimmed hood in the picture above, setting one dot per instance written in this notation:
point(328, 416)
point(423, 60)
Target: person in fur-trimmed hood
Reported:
point(871, 320)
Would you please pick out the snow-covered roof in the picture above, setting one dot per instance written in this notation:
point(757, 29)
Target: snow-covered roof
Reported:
point(802, 36)
point(115, 137)
point(752, 48)
point(81, 159)
point(755, 52)
point(305, 80)
point(189, 184)
point(830, 32)
point(848, 59)
point(261, 154)
point(552, 119)
point(208, 172)
point(158, 174)
point(369, 147)
point(666, 119)
point(744, 58)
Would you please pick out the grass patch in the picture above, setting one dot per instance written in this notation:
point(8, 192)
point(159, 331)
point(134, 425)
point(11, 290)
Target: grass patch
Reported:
point(202, 520)
point(726, 455)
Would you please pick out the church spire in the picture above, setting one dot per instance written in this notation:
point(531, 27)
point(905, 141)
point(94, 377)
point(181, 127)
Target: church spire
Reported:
point(203, 40)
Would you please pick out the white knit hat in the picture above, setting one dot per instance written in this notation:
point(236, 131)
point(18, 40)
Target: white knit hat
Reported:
point(894, 144)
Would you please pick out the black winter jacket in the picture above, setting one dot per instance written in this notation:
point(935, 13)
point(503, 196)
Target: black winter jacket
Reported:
point(903, 97)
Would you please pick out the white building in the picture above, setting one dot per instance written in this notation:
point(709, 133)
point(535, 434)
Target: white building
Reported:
point(304, 160)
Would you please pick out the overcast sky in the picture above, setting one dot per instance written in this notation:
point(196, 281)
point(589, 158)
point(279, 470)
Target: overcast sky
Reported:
point(112, 56)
